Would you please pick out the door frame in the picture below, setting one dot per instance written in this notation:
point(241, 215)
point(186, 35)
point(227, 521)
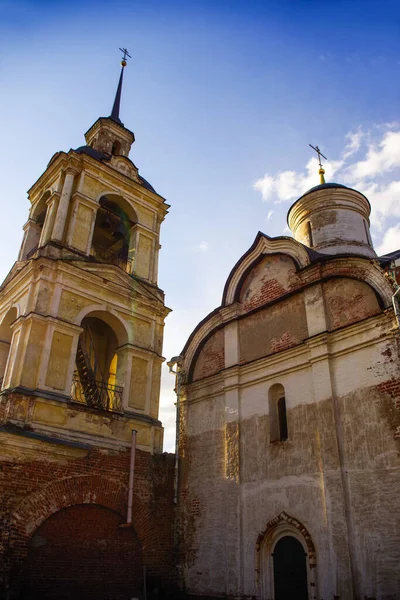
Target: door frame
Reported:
point(282, 526)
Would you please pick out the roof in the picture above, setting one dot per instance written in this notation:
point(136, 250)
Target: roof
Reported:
point(390, 257)
point(325, 186)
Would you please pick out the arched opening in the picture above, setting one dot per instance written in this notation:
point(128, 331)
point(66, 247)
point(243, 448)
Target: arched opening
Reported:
point(290, 569)
point(112, 230)
point(116, 148)
point(278, 429)
point(286, 561)
point(5, 341)
point(82, 552)
point(96, 366)
point(34, 231)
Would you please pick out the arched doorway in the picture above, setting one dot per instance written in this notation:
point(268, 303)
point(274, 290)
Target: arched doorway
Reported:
point(290, 569)
point(285, 556)
point(81, 552)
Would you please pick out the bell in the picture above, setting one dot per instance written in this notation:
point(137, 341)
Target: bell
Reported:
point(119, 233)
point(106, 224)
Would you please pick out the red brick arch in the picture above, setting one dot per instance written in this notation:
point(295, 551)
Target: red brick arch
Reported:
point(284, 518)
point(37, 507)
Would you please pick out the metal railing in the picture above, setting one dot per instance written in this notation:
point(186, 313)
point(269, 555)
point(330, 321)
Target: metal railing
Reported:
point(97, 394)
point(120, 259)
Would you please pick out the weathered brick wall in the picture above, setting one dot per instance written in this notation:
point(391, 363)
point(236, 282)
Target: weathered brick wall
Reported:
point(80, 544)
point(273, 329)
point(211, 357)
point(273, 277)
point(39, 480)
point(348, 301)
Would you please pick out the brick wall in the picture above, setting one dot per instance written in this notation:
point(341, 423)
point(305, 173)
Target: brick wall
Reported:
point(36, 485)
point(78, 545)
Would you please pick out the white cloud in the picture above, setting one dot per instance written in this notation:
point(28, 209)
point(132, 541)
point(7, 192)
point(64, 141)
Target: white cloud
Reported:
point(381, 157)
point(391, 241)
point(354, 142)
point(203, 246)
point(269, 215)
point(369, 162)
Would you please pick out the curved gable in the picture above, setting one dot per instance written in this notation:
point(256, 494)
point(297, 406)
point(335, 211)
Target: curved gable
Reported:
point(273, 276)
point(263, 245)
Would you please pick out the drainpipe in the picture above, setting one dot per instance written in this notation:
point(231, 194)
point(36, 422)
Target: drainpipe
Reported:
point(176, 360)
point(131, 478)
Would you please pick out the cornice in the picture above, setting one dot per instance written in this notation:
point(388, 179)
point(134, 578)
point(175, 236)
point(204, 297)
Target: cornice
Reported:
point(57, 165)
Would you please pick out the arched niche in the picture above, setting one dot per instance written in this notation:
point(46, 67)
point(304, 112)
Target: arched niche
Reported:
point(113, 233)
point(5, 339)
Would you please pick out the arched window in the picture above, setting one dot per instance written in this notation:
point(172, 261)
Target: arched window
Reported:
point(112, 230)
point(116, 149)
point(310, 236)
point(34, 227)
point(278, 429)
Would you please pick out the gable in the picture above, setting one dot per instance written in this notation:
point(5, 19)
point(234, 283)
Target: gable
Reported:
point(272, 277)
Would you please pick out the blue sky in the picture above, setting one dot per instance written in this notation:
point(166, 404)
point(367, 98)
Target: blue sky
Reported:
point(224, 98)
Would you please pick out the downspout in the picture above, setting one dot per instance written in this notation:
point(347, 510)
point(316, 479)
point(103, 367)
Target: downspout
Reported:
point(176, 360)
point(131, 480)
point(178, 420)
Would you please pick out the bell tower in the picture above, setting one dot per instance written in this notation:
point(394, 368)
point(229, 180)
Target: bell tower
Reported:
point(81, 314)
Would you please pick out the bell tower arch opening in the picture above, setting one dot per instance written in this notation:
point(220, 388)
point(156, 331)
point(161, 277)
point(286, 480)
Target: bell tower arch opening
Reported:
point(34, 228)
point(112, 235)
point(96, 364)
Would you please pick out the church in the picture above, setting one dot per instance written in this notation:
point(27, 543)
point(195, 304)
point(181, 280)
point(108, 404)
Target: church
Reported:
point(286, 479)
point(290, 416)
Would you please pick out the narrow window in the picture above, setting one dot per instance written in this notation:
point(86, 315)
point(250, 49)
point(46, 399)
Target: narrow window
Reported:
point(278, 429)
point(282, 419)
point(369, 242)
point(310, 238)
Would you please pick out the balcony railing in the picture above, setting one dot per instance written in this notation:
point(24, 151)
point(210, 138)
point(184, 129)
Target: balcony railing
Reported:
point(97, 394)
point(120, 259)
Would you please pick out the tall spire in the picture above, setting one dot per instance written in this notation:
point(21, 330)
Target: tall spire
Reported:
point(116, 106)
